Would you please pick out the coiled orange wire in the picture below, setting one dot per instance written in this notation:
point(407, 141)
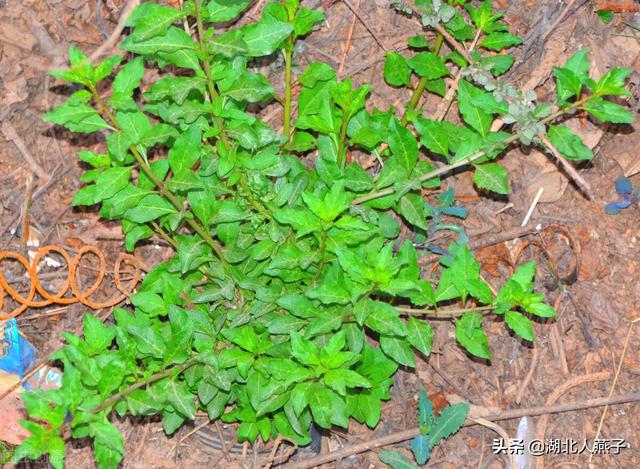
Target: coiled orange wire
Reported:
point(77, 296)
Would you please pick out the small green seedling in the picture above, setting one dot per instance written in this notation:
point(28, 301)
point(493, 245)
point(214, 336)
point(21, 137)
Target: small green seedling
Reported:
point(432, 431)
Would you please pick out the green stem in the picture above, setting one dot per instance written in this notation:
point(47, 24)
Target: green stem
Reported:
point(469, 159)
point(151, 379)
point(342, 144)
point(323, 248)
point(446, 313)
point(217, 248)
point(213, 94)
point(422, 84)
point(288, 59)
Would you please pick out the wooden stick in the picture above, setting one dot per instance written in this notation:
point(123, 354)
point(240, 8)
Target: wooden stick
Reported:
point(504, 415)
point(582, 183)
point(366, 25)
point(347, 45)
point(115, 35)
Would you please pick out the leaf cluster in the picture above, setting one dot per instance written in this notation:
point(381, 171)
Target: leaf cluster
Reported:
point(290, 298)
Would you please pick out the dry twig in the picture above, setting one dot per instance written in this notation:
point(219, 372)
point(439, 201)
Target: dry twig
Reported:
point(115, 35)
point(504, 415)
point(580, 181)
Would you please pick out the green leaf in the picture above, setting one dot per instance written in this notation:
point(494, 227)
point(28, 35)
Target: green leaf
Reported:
point(605, 15)
point(77, 117)
point(542, 310)
point(150, 207)
point(305, 20)
point(403, 145)
point(148, 340)
point(126, 81)
point(607, 111)
point(568, 84)
point(250, 87)
point(435, 135)
point(330, 292)
point(578, 63)
point(384, 319)
point(230, 44)
point(180, 398)
point(264, 37)
point(155, 22)
point(415, 210)
point(221, 11)
point(108, 444)
point(398, 350)
point(472, 113)
point(342, 378)
point(612, 84)
point(470, 335)
point(97, 335)
point(568, 144)
point(520, 324)
point(397, 71)
point(419, 335)
point(174, 40)
point(499, 41)
point(420, 448)
point(396, 460)
point(492, 176)
point(111, 182)
point(449, 422)
point(428, 65)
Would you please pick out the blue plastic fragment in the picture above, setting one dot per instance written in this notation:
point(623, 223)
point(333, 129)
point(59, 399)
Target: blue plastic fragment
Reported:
point(17, 355)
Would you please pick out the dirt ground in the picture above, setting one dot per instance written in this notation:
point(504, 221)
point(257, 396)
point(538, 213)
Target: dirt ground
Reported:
point(575, 356)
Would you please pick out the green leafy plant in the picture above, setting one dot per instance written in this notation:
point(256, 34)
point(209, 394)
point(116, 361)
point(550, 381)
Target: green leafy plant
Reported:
point(289, 298)
point(432, 431)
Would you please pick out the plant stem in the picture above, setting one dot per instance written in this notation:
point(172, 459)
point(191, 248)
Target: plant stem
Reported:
point(151, 379)
point(422, 84)
point(288, 58)
point(469, 159)
point(217, 248)
point(443, 313)
point(453, 43)
point(342, 144)
point(213, 94)
point(323, 248)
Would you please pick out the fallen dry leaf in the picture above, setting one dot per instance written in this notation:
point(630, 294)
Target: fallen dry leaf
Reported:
point(11, 412)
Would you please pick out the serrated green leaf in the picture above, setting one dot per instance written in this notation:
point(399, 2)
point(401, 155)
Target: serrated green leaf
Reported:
point(492, 176)
point(470, 335)
point(403, 145)
point(607, 111)
point(568, 144)
point(396, 70)
point(264, 37)
point(428, 65)
point(520, 324)
point(499, 41)
point(221, 11)
point(399, 350)
point(449, 422)
point(419, 335)
point(150, 207)
point(396, 460)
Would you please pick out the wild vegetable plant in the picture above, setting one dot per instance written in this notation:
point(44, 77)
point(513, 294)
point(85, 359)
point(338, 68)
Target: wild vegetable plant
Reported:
point(290, 298)
point(432, 431)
